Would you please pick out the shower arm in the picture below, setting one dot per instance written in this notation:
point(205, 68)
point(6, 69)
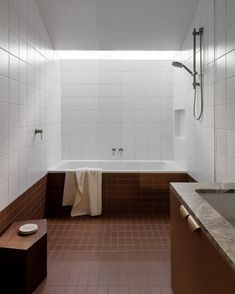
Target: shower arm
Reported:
point(188, 70)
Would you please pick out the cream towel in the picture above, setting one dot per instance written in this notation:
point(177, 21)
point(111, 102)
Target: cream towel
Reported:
point(83, 190)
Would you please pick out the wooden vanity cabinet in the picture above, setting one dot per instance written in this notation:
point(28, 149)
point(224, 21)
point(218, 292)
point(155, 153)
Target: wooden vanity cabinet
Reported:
point(196, 265)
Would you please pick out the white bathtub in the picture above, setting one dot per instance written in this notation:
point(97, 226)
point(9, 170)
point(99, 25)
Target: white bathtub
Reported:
point(120, 166)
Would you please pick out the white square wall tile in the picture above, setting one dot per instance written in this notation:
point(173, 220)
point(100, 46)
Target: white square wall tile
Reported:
point(3, 142)
point(13, 163)
point(3, 168)
point(14, 135)
point(13, 91)
point(220, 90)
point(230, 38)
point(4, 39)
point(4, 201)
point(4, 11)
point(220, 68)
point(231, 117)
point(230, 12)
point(13, 188)
point(3, 116)
point(13, 19)
point(221, 116)
point(230, 64)
point(231, 143)
point(230, 90)
point(14, 116)
point(4, 89)
point(230, 169)
point(14, 67)
point(221, 141)
point(4, 65)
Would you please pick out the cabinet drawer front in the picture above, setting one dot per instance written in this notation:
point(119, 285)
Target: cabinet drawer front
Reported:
point(197, 267)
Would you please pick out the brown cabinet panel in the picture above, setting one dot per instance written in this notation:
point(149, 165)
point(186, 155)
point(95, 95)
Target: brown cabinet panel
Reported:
point(23, 259)
point(197, 267)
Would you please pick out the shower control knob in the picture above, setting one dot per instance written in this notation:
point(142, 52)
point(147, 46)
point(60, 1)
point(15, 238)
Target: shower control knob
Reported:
point(121, 151)
point(113, 151)
point(38, 131)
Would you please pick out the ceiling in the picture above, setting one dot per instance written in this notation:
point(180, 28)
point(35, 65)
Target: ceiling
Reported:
point(117, 24)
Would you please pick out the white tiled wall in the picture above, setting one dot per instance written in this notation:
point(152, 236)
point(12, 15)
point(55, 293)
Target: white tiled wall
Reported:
point(29, 99)
point(117, 103)
point(196, 150)
point(225, 90)
point(218, 123)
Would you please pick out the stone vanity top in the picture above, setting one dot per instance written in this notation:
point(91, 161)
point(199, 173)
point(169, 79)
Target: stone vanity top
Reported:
point(216, 227)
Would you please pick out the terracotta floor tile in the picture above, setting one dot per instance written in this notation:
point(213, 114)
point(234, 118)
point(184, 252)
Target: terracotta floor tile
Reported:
point(81, 290)
point(92, 290)
point(123, 290)
point(74, 278)
point(155, 290)
point(71, 290)
point(113, 290)
point(93, 279)
point(133, 290)
point(112, 254)
point(165, 290)
point(102, 290)
point(144, 290)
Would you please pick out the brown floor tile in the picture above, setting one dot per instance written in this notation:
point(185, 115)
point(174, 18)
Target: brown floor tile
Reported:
point(112, 254)
point(71, 290)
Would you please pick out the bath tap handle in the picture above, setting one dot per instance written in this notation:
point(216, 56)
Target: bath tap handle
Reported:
point(121, 151)
point(38, 131)
point(113, 151)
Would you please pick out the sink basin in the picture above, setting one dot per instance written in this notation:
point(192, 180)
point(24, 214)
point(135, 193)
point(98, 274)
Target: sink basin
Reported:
point(221, 200)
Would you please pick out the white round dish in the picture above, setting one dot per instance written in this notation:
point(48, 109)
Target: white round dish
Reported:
point(28, 229)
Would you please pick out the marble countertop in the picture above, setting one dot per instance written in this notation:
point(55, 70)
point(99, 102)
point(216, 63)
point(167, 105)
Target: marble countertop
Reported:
point(216, 227)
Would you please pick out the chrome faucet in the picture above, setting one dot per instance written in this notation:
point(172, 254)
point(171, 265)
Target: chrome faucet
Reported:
point(121, 151)
point(113, 151)
point(38, 131)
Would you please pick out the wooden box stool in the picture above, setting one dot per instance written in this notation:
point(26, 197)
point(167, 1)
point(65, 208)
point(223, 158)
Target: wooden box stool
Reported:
point(23, 259)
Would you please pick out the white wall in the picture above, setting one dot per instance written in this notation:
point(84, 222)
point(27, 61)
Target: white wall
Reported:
point(210, 144)
point(117, 103)
point(29, 99)
point(225, 90)
point(195, 149)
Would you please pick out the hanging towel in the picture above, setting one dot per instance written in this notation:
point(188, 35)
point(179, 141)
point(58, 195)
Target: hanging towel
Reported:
point(83, 191)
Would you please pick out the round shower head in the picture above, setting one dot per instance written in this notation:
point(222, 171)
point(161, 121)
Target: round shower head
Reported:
point(177, 64)
point(181, 65)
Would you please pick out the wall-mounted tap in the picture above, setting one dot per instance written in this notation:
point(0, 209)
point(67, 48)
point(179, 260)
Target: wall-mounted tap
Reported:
point(121, 151)
point(113, 151)
point(38, 131)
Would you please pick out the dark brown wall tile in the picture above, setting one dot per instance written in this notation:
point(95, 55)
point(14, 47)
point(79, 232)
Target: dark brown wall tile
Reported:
point(30, 205)
point(121, 192)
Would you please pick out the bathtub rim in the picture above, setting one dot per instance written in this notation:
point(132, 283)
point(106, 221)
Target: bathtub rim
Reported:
point(181, 170)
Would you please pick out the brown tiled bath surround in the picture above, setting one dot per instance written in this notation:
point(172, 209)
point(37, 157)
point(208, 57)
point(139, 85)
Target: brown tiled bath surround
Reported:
point(30, 205)
point(121, 192)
